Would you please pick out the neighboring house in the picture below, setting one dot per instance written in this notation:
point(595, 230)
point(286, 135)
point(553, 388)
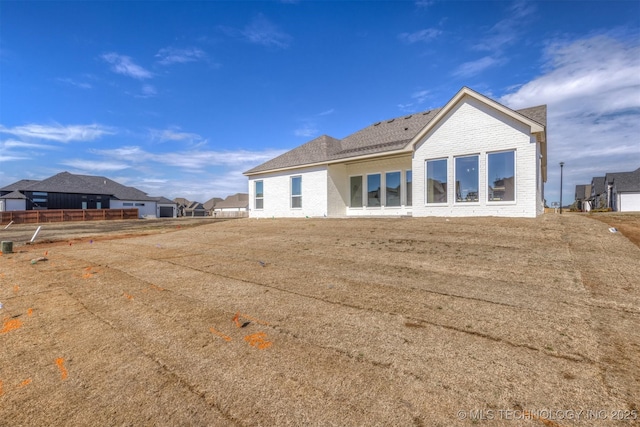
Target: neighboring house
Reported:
point(583, 192)
point(472, 157)
point(195, 209)
point(623, 191)
point(14, 201)
point(598, 198)
point(70, 191)
point(166, 208)
point(210, 205)
point(182, 203)
point(236, 205)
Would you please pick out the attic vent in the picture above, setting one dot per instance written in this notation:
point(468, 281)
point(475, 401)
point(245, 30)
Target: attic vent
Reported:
point(408, 117)
point(376, 124)
point(390, 120)
point(406, 128)
point(426, 112)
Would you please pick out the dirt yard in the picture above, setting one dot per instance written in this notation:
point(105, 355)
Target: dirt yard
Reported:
point(394, 322)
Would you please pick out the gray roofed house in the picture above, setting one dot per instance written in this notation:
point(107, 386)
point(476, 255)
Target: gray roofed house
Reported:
point(622, 190)
point(598, 198)
point(380, 170)
point(582, 195)
point(234, 206)
point(71, 191)
point(210, 204)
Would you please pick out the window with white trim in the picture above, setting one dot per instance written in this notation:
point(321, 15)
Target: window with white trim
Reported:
point(409, 186)
point(467, 173)
point(374, 188)
point(356, 192)
point(501, 178)
point(436, 181)
point(296, 192)
point(259, 197)
point(392, 186)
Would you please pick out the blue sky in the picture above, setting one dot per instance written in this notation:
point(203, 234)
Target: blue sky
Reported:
point(178, 99)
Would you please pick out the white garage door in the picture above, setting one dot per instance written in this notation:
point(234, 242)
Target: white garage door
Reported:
point(630, 202)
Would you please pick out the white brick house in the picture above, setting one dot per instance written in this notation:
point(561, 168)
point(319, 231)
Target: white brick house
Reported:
point(472, 157)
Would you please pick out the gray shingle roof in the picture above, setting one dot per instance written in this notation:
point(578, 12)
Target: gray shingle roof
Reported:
point(163, 201)
point(583, 191)
point(211, 203)
point(625, 181)
point(597, 185)
point(65, 182)
point(19, 185)
point(238, 200)
point(14, 195)
point(380, 137)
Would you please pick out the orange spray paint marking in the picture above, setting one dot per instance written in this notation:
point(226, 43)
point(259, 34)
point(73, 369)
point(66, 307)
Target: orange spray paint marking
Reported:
point(1, 391)
point(30, 312)
point(10, 325)
point(127, 295)
point(236, 319)
point(16, 288)
point(157, 288)
point(258, 340)
point(25, 382)
point(227, 338)
point(63, 371)
point(87, 275)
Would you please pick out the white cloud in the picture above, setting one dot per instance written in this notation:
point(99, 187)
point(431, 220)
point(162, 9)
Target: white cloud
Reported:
point(327, 112)
point(148, 91)
point(425, 3)
point(171, 55)
point(124, 65)
point(192, 159)
point(425, 35)
point(592, 88)
point(471, 68)
point(11, 158)
point(92, 166)
point(307, 130)
point(263, 32)
point(174, 135)
point(508, 30)
point(12, 143)
point(81, 85)
point(58, 132)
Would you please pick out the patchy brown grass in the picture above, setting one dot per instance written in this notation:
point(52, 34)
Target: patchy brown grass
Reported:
point(627, 223)
point(324, 322)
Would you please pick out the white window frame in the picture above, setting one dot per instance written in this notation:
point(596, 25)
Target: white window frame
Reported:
point(399, 188)
point(381, 195)
point(406, 189)
point(362, 191)
point(455, 198)
point(299, 196)
point(256, 198)
point(426, 186)
point(515, 179)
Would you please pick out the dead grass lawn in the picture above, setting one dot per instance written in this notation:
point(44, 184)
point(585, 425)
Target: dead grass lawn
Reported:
point(324, 322)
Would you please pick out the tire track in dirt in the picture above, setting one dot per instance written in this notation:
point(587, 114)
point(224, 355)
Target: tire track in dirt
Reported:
point(578, 358)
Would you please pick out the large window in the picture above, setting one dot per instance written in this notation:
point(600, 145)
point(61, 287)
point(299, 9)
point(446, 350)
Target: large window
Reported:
point(467, 179)
point(259, 201)
point(373, 190)
point(437, 181)
point(296, 192)
point(501, 183)
point(392, 195)
point(356, 192)
point(409, 176)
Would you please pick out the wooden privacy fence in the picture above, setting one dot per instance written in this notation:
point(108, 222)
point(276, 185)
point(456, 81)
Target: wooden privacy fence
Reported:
point(230, 214)
point(63, 215)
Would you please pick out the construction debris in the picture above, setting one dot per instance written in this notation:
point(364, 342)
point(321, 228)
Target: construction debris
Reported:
point(35, 260)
